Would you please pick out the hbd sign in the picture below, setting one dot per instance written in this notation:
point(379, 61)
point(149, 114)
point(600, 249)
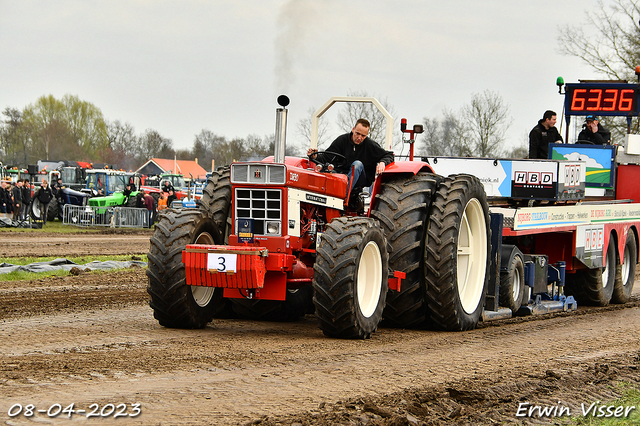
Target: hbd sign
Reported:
point(572, 175)
point(522, 178)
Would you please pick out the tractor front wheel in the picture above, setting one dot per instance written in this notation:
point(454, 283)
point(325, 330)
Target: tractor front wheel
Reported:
point(351, 278)
point(176, 304)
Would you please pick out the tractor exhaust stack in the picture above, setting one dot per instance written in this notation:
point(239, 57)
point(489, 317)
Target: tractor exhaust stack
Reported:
point(281, 130)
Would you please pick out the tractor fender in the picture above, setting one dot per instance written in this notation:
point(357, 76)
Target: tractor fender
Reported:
point(398, 168)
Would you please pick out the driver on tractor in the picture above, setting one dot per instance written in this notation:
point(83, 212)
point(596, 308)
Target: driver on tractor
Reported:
point(363, 159)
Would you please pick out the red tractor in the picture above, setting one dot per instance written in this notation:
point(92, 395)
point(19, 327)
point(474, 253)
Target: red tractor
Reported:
point(275, 240)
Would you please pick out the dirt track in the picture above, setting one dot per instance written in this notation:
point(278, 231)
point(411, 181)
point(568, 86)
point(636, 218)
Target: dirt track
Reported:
point(92, 339)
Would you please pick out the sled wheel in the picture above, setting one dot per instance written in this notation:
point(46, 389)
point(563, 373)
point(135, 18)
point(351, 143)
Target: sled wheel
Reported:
point(594, 286)
point(402, 208)
point(625, 273)
point(351, 278)
point(176, 304)
point(512, 285)
point(457, 253)
point(298, 302)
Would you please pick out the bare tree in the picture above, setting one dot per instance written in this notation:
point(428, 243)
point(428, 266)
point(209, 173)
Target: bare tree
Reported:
point(487, 121)
point(304, 128)
point(13, 138)
point(446, 137)
point(153, 144)
point(612, 47)
point(353, 111)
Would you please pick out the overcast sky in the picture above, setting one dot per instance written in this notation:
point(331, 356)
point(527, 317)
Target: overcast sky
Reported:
point(182, 66)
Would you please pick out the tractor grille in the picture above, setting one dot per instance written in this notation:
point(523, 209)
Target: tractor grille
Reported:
point(260, 173)
point(264, 206)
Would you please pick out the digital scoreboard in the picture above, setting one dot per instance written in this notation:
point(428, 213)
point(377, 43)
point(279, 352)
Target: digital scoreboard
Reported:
point(602, 98)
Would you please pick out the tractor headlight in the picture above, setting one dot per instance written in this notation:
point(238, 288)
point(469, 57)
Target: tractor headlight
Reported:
point(273, 228)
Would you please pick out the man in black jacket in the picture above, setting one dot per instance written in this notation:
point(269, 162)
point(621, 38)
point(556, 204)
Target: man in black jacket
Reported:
point(43, 196)
point(16, 195)
point(594, 132)
point(543, 134)
point(363, 156)
point(5, 198)
point(26, 198)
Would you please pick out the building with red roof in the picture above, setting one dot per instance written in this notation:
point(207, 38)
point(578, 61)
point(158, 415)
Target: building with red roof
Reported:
point(187, 168)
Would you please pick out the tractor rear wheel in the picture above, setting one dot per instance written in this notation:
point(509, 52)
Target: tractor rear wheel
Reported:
point(176, 304)
point(625, 273)
point(457, 253)
point(216, 198)
point(351, 278)
point(594, 286)
point(402, 208)
point(35, 210)
point(54, 210)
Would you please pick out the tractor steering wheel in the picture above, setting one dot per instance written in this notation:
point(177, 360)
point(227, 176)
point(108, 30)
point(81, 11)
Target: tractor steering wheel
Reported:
point(585, 142)
point(334, 154)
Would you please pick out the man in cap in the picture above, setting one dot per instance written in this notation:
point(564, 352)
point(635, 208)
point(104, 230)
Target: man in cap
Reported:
point(594, 132)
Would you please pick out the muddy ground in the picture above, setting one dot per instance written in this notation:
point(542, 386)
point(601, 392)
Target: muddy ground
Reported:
point(92, 339)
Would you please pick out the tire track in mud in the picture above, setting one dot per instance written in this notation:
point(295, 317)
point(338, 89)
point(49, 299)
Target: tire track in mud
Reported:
point(70, 293)
point(105, 347)
point(253, 369)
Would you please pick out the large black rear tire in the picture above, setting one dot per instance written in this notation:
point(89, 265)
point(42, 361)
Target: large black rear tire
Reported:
point(351, 278)
point(594, 286)
point(54, 212)
point(457, 253)
point(402, 208)
point(176, 304)
point(34, 210)
point(216, 198)
point(626, 272)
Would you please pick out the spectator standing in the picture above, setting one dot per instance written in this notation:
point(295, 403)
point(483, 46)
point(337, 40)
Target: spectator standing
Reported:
point(3, 197)
point(43, 196)
point(544, 133)
point(7, 197)
point(56, 187)
point(149, 204)
point(16, 195)
point(162, 201)
point(127, 193)
point(26, 198)
point(170, 191)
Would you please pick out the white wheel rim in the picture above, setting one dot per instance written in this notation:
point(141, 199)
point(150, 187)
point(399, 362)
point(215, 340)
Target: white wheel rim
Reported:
point(369, 281)
point(605, 271)
point(515, 291)
point(36, 210)
point(202, 295)
point(626, 268)
point(472, 256)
